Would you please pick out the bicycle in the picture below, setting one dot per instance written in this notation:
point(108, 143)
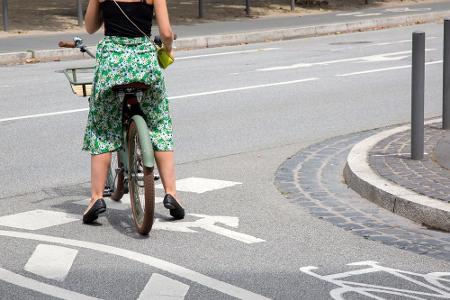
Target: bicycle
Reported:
point(132, 167)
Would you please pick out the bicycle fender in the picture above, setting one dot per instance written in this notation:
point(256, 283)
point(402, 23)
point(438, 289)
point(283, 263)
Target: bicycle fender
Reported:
point(144, 138)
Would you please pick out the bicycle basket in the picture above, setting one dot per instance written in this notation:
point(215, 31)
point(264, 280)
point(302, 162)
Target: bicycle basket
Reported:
point(80, 80)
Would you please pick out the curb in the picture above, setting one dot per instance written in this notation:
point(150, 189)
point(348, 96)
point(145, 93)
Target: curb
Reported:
point(248, 37)
point(361, 178)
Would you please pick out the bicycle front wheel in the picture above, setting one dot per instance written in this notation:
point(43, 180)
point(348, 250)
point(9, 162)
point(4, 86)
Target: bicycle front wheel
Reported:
point(141, 184)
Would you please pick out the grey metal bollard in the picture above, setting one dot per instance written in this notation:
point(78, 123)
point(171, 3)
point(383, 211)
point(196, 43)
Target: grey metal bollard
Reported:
point(5, 15)
point(446, 83)
point(200, 9)
point(417, 95)
point(247, 7)
point(292, 5)
point(80, 13)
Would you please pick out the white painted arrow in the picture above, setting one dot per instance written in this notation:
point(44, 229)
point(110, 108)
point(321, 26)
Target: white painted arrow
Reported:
point(208, 223)
point(371, 58)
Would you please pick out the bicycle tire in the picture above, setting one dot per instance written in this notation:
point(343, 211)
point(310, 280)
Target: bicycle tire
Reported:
point(116, 178)
point(142, 208)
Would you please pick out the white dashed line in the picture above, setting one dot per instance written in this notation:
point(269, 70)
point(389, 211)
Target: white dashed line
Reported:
point(349, 14)
point(160, 287)
point(37, 219)
point(252, 87)
point(368, 15)
point(52, 262)
point(386, 69)
point(227, 53)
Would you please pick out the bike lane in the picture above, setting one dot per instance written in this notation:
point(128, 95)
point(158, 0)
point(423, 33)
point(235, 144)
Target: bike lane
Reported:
point(286, 243)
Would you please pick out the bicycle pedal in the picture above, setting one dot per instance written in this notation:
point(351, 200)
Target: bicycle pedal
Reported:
point(107, 192)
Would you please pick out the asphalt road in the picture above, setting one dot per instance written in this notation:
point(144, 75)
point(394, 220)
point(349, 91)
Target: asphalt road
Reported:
point(43, 42)
point(238, 113)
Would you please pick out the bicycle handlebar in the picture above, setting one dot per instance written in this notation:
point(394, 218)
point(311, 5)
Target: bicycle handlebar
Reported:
point(78, 43)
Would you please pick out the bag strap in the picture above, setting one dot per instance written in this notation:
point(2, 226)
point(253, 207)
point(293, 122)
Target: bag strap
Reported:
point(126, 16)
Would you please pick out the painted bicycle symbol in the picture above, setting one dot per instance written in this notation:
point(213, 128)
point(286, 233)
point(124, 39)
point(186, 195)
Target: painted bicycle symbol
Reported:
point(427, 286)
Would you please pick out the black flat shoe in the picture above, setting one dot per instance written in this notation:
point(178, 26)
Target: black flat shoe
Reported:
point(92, 214)
point(176, 210)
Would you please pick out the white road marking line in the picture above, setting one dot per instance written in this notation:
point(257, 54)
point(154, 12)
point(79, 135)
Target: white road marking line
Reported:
point(349, 14)
point(208, 223)
point(386, 69)
point(40, 287)
point(369, 58)
point(166, 266)
point(201, 185)
point(396, 42)
point(52, 262)
point(226, 53)
point(160, 287)
point(123, 204)
point(245, 88)
point(378, 44)
point(44, 115)
point(171, 98)
point(407, 9)
point(368, 15)
point(37, 219)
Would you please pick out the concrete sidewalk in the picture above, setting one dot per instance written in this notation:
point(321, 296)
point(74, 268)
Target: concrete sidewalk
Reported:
point(380, 169)
point(215, 34)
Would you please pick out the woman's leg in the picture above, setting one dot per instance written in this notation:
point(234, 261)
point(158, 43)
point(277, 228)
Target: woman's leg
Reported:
point(99, 170)
point(166, 166)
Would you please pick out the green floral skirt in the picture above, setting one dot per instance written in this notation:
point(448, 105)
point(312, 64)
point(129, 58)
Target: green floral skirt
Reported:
point(122, 60)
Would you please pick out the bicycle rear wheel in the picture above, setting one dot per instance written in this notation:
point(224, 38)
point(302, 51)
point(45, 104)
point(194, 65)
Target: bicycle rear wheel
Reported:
point(141, 184)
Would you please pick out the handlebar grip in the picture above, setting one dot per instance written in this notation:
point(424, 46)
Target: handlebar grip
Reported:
point(63, 44)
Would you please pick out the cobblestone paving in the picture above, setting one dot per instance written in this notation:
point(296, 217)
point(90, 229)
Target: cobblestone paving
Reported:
point(390, 158)
point(313, 179)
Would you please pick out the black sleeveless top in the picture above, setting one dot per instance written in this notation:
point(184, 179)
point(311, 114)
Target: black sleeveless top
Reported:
point(116, 24)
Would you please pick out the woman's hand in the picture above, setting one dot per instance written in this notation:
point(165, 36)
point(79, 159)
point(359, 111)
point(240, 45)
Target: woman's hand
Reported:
point(171, 52)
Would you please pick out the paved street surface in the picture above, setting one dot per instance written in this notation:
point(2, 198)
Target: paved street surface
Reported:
point(239, 113)
point(44, 42)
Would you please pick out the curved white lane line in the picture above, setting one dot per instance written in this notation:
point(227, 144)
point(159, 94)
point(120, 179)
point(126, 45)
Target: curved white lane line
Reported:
point(193, 276)
point(41, 287)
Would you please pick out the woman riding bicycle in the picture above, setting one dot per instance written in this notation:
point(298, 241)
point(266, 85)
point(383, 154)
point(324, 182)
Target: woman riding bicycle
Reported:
point(125, 55)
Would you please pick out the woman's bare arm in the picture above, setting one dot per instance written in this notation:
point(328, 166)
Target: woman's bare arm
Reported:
point(162, 17)
point(93, 19)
